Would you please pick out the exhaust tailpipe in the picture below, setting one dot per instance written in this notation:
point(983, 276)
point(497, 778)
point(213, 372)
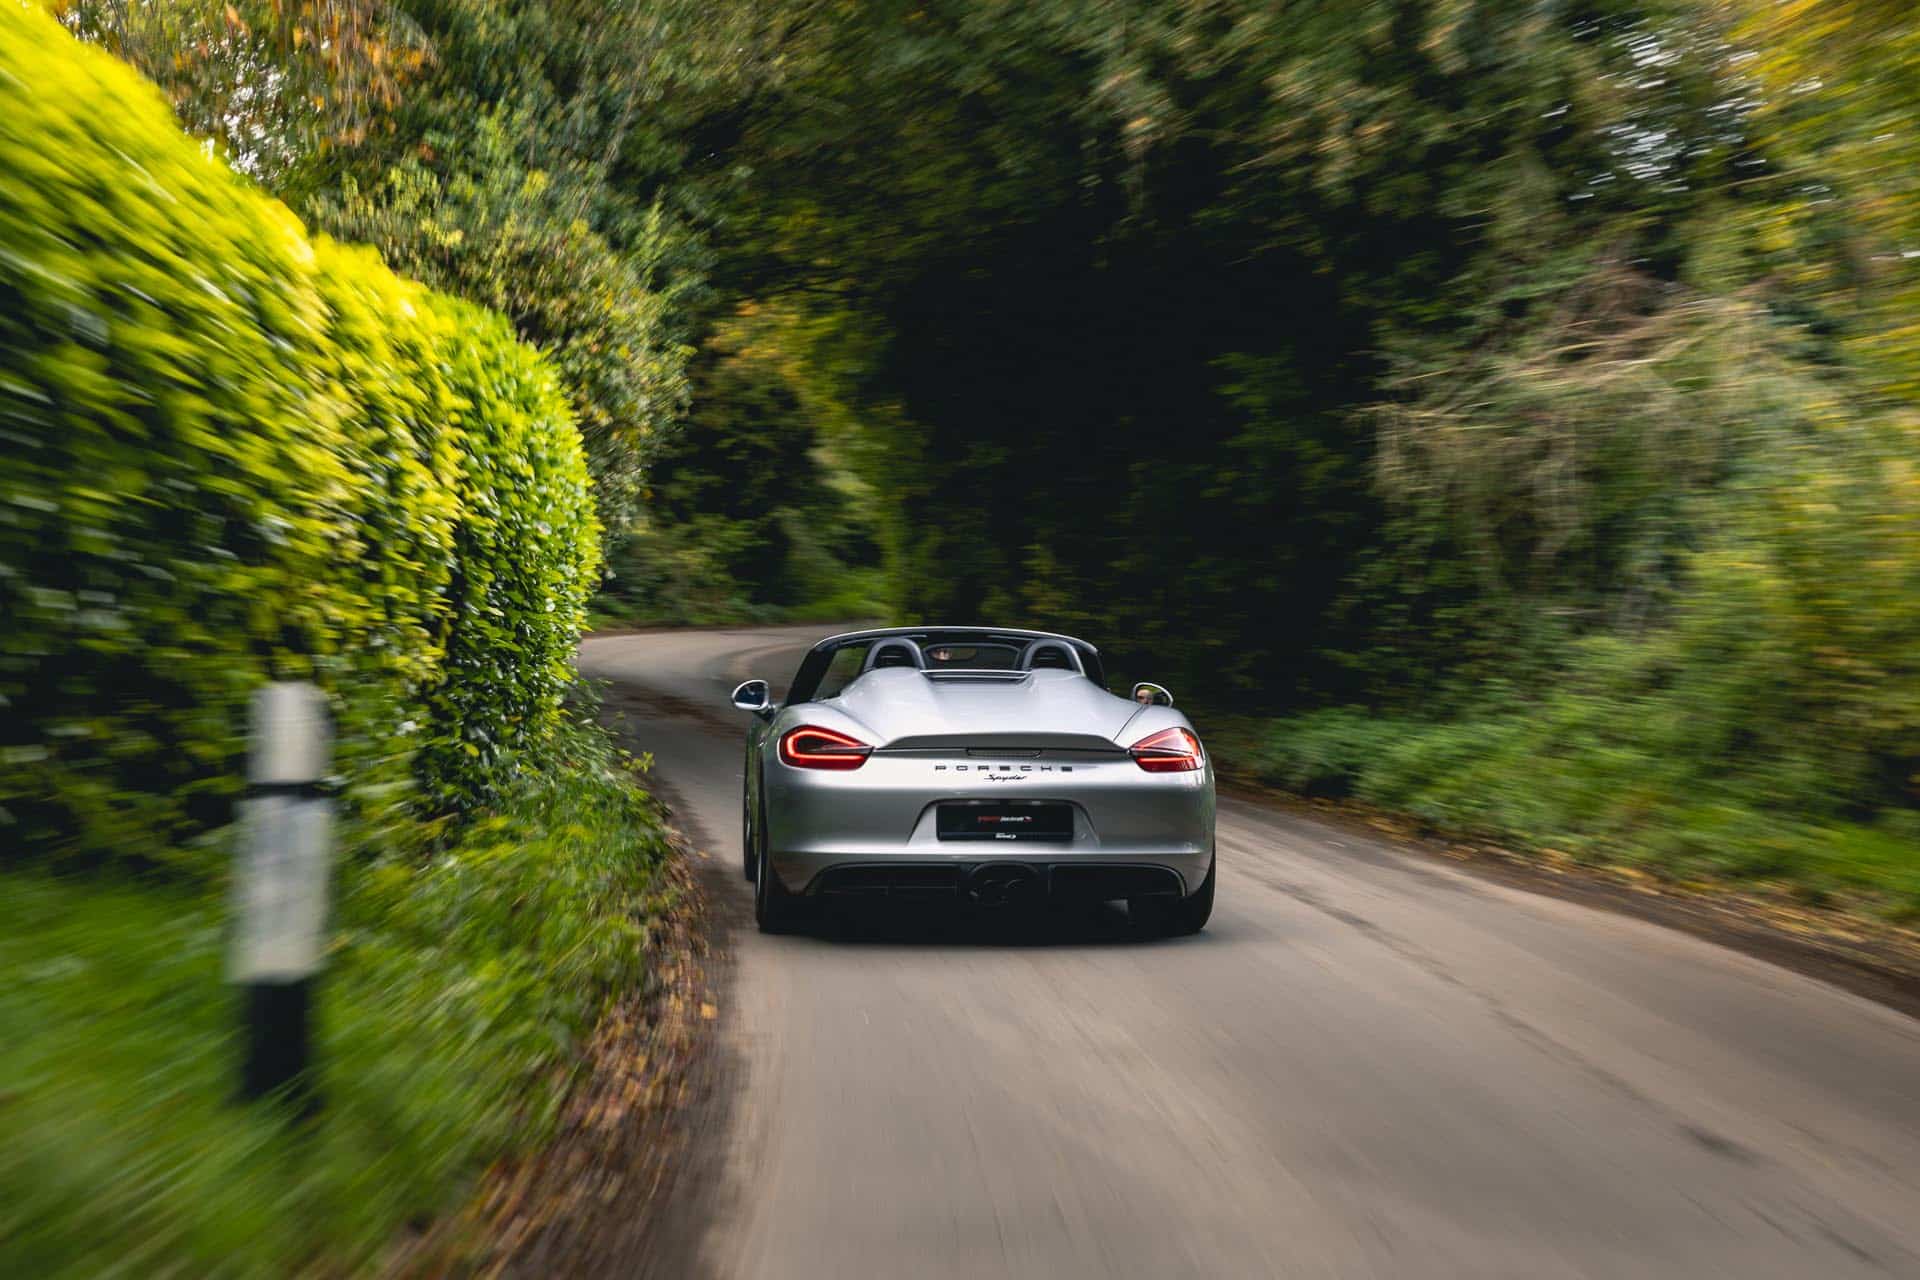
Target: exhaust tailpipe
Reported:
point(999, 884)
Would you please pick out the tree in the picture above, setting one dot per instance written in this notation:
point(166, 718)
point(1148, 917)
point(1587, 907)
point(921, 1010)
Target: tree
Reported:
point(514, 155)
point(1838, 88)
point(1133, 270)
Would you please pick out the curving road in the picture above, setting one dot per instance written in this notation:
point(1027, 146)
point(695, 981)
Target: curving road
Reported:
point(1370, 1064)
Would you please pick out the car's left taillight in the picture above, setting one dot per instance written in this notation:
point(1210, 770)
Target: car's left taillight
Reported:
point(811, 747)
point(1168, 751)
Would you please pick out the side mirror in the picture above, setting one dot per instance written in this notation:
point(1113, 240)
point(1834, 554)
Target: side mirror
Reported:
point(1151, 695)
point(754, 696)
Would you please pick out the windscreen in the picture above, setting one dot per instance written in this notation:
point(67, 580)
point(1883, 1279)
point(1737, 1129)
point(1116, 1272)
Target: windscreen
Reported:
point(972, 657)
point(829, 668)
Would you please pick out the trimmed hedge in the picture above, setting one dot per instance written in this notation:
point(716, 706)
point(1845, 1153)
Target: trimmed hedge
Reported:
point(234, 453)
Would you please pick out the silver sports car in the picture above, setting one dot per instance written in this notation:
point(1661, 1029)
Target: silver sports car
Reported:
point(978, 763)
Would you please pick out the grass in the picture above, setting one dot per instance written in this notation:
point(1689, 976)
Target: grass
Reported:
point(1600, 781)
point(458, 986)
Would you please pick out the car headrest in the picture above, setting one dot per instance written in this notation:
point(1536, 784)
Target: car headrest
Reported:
point(897, 652)
point(1049, 655)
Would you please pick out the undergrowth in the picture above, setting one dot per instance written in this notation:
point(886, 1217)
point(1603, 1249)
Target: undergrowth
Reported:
point(465, 970)
point(1608, 773)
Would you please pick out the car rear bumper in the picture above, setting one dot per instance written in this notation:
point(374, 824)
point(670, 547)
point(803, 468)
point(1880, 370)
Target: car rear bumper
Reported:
point(875, 829)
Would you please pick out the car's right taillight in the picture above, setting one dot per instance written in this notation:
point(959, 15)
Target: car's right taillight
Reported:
point(1168, 751)
point(811, 747)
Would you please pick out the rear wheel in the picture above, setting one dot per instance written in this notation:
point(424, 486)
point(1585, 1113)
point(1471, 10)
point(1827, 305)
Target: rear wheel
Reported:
point(749, 864)
point(1175, 917)
point(774, 909)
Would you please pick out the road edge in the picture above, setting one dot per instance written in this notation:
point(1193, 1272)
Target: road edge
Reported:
point(1877, 962)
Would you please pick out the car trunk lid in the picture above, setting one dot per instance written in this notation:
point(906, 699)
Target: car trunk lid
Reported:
point(993, 712)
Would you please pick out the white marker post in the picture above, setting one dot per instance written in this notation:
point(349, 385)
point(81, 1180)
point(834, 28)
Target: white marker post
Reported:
point(280, 887)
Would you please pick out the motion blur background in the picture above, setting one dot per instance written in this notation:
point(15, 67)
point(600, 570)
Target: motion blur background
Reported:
point(1501, 412)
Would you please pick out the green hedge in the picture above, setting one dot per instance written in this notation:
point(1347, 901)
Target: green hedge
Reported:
point(235, 452)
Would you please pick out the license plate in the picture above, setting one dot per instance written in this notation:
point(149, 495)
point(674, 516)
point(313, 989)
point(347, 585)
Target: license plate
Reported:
point(1007, 821)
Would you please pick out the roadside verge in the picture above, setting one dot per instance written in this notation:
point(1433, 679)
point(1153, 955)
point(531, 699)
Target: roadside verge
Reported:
point(589, 1202)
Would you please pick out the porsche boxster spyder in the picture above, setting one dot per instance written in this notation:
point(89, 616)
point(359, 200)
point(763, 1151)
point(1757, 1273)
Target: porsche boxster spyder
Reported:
point(977, 763)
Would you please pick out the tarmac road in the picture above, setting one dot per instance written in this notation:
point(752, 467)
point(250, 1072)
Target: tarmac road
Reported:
point(1371, 1063)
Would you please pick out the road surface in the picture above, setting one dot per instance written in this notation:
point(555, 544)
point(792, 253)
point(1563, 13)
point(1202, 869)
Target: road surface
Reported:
point(1370, 1063)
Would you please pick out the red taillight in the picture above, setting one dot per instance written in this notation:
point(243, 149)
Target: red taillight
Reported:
point(811, 747)
point(1168, 751)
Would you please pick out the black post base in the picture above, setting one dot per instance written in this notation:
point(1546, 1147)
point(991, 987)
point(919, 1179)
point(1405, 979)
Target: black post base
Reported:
point(278, 1052)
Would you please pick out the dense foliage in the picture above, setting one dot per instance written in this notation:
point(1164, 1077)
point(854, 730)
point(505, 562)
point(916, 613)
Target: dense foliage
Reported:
point(1402, 354)
point(750, 513)
point(1132, 268)
point(1509, 409)
point(1451, 359)
point(235, 454)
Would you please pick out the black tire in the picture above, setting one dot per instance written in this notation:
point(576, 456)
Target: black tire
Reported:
point(1175, 917)
point(774, 909)
point(749, 859)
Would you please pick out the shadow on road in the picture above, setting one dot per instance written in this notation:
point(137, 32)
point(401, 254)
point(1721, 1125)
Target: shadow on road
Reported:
point(920, 924)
